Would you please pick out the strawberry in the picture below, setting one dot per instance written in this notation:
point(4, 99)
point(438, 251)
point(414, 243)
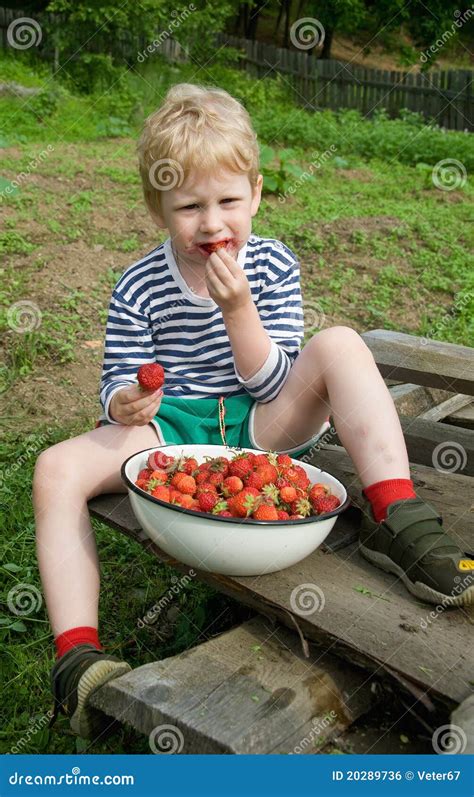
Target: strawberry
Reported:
point(232, 485)
point(260, 459)
point(270, 493)
point(301, 507)
point(288, 494)
point(302, 479)
point(185, 484)
point(145, 473)
point(142, 483)
point(151, 376)
point(217, 478)
point(265, 512)
point(186, 501)
point(190, 465)
point(254, 479)
point(268, 473)
point(202, 477)
point(225, 513)
point(243, 503)
point(207, 501)
point(291, 475)
point(161, 492)
point(284, 460)
point(326, 503)
point(159, 476)
point(240, 466)
point(158, 459)
point(213, 246)
point(317, 490)
point(282, 515)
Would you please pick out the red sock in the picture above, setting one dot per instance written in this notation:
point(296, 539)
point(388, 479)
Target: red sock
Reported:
point(76, 636)
point(381, 494)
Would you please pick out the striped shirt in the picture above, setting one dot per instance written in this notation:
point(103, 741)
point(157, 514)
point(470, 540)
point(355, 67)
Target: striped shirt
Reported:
point(155, 317)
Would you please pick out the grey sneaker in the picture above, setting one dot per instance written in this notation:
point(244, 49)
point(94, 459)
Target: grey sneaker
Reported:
point(74, 677)
point(412, 543)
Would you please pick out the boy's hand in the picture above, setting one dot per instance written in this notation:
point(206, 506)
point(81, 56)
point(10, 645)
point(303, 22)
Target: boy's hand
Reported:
point(226, 282)
point(134, 406)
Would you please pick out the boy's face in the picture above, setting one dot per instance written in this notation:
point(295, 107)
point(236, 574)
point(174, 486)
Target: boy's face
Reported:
point(208, 209)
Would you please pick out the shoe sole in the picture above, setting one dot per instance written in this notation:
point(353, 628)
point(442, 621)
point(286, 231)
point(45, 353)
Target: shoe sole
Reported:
point(417, 588)
point(83, 722)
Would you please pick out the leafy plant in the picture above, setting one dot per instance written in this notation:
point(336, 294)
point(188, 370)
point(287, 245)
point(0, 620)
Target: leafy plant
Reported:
point(279, 177)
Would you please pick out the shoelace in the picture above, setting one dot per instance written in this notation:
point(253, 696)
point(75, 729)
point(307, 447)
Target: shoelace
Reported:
point(221, 412)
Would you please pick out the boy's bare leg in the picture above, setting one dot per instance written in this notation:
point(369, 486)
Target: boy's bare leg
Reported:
point(335, 373)
point(66, 476)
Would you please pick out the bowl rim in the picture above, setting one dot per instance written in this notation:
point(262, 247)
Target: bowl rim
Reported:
point(243, 521)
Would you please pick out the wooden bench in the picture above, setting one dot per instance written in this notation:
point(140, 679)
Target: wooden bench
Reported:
point(371, 632)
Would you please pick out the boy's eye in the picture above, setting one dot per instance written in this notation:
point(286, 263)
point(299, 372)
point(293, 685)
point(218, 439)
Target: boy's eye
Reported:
point(190, 207)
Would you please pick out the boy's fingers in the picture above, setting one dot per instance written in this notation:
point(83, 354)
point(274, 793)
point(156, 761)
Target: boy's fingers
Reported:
point(152, 398)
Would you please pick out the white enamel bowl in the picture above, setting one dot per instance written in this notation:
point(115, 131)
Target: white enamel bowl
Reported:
point(231, 546)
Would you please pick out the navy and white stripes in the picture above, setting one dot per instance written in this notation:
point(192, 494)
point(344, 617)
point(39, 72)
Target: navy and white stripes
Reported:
point(154, 317)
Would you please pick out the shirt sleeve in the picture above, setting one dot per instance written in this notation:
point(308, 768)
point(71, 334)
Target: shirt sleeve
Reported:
point(280, 307)
point(128, 345)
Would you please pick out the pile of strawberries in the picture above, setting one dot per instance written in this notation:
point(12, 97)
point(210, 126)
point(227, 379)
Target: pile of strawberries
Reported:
point(259, 486)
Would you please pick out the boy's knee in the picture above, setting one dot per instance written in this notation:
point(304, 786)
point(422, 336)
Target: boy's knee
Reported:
point(339, 340)
point(50, 468)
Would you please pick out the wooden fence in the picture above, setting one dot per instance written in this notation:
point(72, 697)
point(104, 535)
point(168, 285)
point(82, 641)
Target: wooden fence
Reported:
point(446, 97)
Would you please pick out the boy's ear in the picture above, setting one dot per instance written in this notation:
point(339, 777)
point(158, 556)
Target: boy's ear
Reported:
point(157, 218)
point(257, 195)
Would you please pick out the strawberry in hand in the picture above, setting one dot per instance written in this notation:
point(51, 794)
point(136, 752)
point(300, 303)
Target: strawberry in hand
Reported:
point(151, 376)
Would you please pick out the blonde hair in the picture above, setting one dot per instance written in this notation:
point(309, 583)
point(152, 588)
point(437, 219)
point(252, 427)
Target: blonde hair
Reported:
point(196, 129)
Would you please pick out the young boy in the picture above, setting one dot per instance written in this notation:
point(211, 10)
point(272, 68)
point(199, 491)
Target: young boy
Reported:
point(227, 323)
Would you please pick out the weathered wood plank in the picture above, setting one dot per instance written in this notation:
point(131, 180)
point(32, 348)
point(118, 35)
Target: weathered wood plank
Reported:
point(422, 361)
point(439, 445)
point(412, 400)
point(463, 417)
point(250, 690)
point(444, 409)
point(385, 630)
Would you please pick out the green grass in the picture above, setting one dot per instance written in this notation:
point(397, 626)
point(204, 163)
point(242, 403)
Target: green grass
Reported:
point(379, 245)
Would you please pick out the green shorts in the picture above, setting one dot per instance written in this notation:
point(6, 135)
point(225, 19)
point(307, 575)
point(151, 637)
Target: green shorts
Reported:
point(184, 420)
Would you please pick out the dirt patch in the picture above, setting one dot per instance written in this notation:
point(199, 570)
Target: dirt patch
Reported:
point(361, 175)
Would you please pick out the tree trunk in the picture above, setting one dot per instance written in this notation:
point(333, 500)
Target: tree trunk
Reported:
point(280, 14)
point(326, 53)
point(287, 4)
point(253, 19)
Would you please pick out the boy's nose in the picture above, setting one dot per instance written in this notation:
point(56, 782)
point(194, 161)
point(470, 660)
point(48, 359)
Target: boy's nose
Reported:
point(211, 222)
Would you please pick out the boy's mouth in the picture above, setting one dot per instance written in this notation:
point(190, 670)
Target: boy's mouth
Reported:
point(208, 248)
